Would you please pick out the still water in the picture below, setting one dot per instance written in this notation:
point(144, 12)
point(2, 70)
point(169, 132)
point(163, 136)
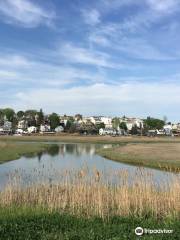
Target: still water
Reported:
point(44, 166)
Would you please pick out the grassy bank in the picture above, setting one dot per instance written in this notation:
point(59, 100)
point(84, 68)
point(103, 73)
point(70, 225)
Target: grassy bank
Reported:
point(86, 206)
point(11, 150)
point(159, 155)
point(36, 224)
point(90, 139)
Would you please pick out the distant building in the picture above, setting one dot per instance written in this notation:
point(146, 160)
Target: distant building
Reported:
point(23, 124)
point(107, 121)
point(7, 126)
point(32, 129)
point(45, 128)
point(131, 122)
point(168, 129)
point(95, 120)
point(59, 129)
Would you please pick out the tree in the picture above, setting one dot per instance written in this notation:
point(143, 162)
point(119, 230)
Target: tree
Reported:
point(115, 122)
point(123, 126)
point(154, 123)
point(99, 126)
point(69, 125)
point(30, 116)
point(40, 118)
point(1, 117)
point(20, 114)
point(9, 113)
point(134, 130)
point(54, 120)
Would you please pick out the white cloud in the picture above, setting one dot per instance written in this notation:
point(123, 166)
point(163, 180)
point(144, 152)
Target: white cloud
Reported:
point(5, 75)
point(74, 54)
point(135, 98)
point(26, 71)
point(25, 13)
point(14, 60)
point(91, 17)
point(164, 6)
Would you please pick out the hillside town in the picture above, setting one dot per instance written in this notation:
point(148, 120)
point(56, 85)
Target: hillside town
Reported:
point(36, 122)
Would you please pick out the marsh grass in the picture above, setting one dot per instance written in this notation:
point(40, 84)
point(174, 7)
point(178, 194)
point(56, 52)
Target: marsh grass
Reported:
point(154, 155)
point(13, 150)
point(97, 194)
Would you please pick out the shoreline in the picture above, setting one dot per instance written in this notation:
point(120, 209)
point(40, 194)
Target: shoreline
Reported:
point(156, 156)
point(90, 139)
point(10, 150)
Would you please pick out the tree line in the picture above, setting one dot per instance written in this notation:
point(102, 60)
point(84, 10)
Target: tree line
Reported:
point(38, 118)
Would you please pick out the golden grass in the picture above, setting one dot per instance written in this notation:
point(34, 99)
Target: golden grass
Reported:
point(90, 139)
point(84, 193)
point(160, 155)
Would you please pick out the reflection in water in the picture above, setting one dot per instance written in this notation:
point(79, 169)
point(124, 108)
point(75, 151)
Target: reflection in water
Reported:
point(53, 150)
point(73, 149)
point(45, 166)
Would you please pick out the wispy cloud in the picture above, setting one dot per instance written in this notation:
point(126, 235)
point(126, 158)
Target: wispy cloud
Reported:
point(25, 71)
point(91, 17)
point(164, 6)
point(25, 13)
point(14, 60)
point(137, 98)
point(75, 54)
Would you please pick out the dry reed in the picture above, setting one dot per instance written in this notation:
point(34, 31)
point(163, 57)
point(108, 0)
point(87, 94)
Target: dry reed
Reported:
point(86, 193)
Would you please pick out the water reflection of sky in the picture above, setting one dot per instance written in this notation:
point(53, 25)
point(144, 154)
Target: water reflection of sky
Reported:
point(45, 166)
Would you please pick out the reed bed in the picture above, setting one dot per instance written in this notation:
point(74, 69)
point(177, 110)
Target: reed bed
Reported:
point(93, 193)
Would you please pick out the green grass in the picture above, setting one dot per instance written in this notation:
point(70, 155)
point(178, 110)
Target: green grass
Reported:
point(11, 150)
point(26, 224)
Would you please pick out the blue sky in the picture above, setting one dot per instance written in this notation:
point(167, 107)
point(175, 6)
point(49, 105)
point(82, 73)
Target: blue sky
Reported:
point(103, 57)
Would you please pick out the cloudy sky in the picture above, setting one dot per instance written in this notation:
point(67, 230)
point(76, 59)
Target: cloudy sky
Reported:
point(98, 57)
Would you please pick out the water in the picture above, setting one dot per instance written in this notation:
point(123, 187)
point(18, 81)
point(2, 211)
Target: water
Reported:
point(44, 167)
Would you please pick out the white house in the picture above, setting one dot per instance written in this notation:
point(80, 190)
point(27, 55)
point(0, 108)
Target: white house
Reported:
point(131, 122)
point(32, 129)
point(107, 131)
point(59, 129)
point(45, 128)
point(168, 129)
point(7, 126)
point(22, 124)
point(107, 122)
point(95, 120)
point(19, 131)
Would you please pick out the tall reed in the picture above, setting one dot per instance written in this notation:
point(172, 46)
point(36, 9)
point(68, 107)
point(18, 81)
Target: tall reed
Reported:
point(86, 193)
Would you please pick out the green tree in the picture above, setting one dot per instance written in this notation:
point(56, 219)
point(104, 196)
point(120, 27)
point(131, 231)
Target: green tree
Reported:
point(9, 113)
point(134, 130)
point(69, 125)
point(123, 126)
point(20, 114)
point(99, 126)
point(115, 122)
point(1, 116)
point(40, 118)
point(54, 120)
point(30, 116)
point(154, 123)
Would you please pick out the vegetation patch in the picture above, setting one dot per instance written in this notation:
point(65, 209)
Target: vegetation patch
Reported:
point(13, 150)
point(25, 223)
point(160, 155)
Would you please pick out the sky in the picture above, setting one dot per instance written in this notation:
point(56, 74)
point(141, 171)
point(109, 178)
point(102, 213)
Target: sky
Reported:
point(98, 57)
